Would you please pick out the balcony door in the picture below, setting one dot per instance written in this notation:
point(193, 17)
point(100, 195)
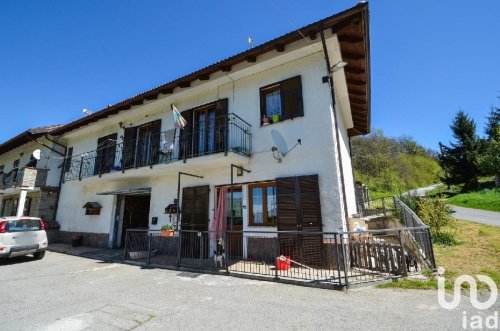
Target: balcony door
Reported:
point(141, 145)
point(205, 132)
point(106, 150)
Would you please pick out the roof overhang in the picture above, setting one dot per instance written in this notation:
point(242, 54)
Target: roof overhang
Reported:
point(26, 137)
point(352, 30)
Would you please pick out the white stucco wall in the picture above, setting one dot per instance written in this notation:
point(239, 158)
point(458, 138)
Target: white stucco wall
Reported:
point(316, 155)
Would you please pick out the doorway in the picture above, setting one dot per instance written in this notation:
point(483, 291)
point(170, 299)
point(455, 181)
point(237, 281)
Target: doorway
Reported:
point(235, 239)
point(194, 222)
point(135, 213)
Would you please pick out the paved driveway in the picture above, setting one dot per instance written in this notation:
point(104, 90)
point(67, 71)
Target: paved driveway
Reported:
point(63, 292)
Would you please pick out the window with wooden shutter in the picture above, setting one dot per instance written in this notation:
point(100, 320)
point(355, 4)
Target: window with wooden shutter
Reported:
point(282, 99)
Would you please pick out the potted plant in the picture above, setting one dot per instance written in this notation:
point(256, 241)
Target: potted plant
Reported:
point(167, 230)
point(266, 120)
point(276, 116)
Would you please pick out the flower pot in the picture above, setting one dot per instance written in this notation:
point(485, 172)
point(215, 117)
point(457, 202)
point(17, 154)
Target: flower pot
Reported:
point(266, 120)
point(276, 118)
point(167, 233)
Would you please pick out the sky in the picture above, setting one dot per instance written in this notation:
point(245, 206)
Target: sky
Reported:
point(428, 58)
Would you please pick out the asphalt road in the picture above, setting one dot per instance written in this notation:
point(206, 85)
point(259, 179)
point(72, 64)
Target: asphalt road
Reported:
point(63, 292)
point(477, 215)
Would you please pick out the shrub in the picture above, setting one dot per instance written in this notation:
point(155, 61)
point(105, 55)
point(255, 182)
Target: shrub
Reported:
point(435, 212)
point(445, 239)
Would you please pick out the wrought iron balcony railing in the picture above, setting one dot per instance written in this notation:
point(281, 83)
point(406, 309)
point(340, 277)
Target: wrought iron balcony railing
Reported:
point(223, 134)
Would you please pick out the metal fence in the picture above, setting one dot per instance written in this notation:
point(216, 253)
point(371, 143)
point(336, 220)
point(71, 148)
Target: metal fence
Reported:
point(377, 207)
point(228, 133)
point(419, 236)
point(328, 258)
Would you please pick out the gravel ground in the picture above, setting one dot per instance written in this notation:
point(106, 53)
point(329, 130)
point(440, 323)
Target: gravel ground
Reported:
point(63, 292)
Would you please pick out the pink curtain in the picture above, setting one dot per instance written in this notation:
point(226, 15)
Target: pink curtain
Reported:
point(219, 222)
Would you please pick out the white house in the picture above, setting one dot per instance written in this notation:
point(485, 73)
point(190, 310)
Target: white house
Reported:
point(269, 110)
point(30, 174)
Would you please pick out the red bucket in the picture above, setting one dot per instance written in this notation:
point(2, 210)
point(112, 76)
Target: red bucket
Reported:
point(283, 262)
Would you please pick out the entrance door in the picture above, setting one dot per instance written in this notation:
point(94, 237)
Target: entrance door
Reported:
point(299, 210)
point(135, 213)
point(194, 221)
point(235, 240)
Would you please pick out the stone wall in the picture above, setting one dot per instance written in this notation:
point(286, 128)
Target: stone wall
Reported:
point(89, 239)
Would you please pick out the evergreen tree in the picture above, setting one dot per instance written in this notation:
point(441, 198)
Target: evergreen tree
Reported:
point(459, 161)
point(489, 161)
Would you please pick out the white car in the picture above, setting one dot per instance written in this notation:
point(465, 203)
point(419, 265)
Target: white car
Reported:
point(22, 236)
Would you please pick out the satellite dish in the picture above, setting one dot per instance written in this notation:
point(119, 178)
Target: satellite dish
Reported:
point(279, 142)
point(280, 148)
point(37, 154)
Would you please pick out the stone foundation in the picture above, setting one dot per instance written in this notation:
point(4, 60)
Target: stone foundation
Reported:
point(89, 239)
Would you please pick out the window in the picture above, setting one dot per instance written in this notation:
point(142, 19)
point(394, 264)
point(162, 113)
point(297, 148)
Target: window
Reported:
point(9, 207)
point(69, 155)
point(16, 164)
point(281, 101)
point(27, 207)
point(262, 202)
point(237, 207)
point(1, 168)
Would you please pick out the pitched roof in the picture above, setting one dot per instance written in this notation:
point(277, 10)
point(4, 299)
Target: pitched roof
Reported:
point(352, 28)
point(26, 137)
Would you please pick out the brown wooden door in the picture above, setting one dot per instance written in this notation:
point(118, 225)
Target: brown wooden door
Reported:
point(135, 213)
point(299, 209)
point(194, 221)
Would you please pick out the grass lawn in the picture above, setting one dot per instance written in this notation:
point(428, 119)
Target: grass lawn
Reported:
point(487, 198)
point(477, 253)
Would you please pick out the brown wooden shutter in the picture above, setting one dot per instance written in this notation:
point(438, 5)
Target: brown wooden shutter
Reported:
point(155, 141)
point(299, 209)
point(221, 111)
point(195, 202)
point(291, 98)
point(129, 142)
point(105, 155)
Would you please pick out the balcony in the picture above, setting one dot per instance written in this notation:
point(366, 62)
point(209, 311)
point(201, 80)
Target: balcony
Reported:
point(26, 177)
point(223, 134)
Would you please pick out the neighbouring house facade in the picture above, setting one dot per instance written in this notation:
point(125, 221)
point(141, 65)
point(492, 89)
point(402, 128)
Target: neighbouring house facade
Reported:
point(30, 174)
point(267, 130)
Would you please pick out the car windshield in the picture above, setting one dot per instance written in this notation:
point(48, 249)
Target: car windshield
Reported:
point(23, 225)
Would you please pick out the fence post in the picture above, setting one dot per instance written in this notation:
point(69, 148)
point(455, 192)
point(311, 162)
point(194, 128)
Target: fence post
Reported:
point(80, 172)
point(276, 256)
point(403, 258)
point(383, 206)
point(226, 244)
point(149, 248)
point(179, 247)
point(344, 256)
point(126, 243)
point(338, 260)
point(226, 134)
point(429, 236)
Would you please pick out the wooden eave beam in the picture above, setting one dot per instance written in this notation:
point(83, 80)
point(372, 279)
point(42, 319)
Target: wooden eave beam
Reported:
point(313, 34)
point(351, 39)
point(353, 70)
point(204, 77)
point(184, 84)
point(225, 68)
point(356, 82)
point(251, 58)
point(279, 47)
point(352, 56)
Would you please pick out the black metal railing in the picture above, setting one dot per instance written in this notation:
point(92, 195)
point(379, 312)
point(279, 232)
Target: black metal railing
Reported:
point(330, 258)
point(223, 134)
point(376, 207)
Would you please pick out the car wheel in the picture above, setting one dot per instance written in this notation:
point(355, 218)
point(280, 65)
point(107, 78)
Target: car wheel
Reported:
point(39, 255)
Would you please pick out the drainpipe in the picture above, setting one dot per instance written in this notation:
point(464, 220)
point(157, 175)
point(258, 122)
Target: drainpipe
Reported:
point(334, 110)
